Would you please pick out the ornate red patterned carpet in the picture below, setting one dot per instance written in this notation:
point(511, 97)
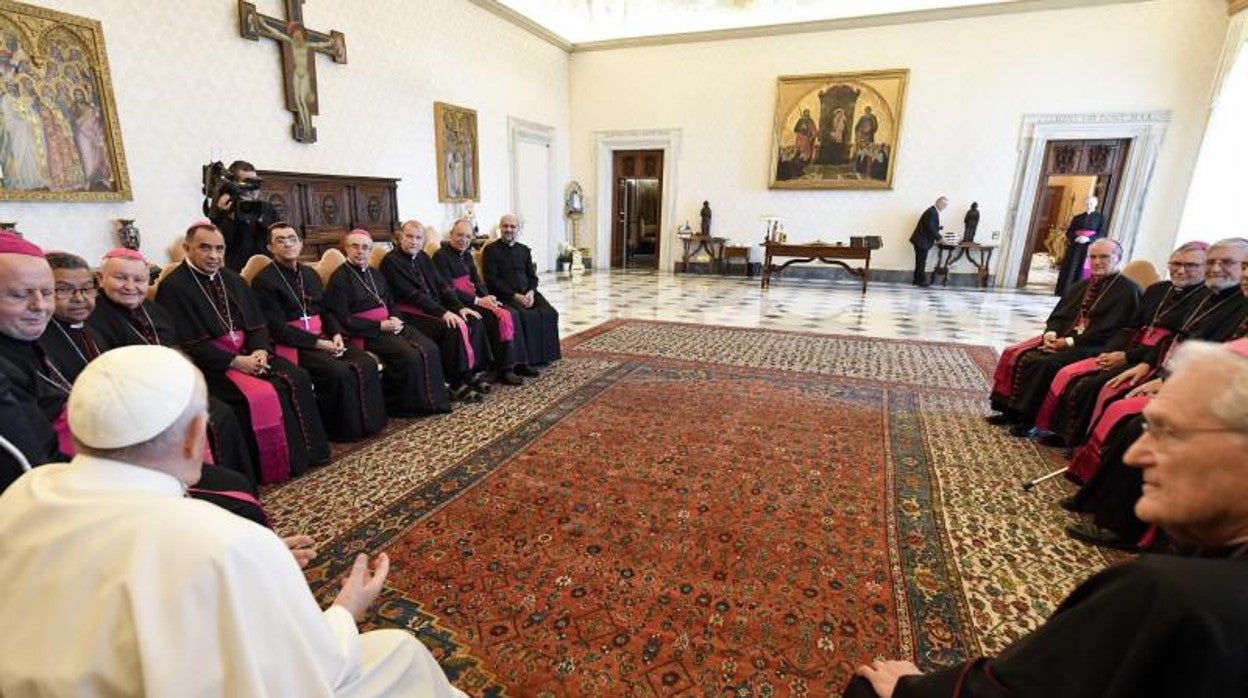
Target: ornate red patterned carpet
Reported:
point(692, 510)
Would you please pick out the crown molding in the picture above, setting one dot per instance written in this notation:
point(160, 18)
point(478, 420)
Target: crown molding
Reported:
point(880, 20)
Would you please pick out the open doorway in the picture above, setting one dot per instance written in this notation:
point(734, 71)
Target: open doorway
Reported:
point(1073, 170)
point(637, 208)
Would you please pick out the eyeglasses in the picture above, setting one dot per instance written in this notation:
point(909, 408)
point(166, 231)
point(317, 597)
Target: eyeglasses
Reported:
point(1185, 265)
point(1165, 434)
point(286, 241)
point(66, 292)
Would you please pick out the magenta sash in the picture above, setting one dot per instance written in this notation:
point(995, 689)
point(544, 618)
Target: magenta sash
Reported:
point(463, 331)
point(1003, 379)
point(376, 314)
point(1109, 395)
point(266, 414)
point(506, 328)
point(291, 354)
point(1058, 388)
point(64, 439)
point(1086, 459)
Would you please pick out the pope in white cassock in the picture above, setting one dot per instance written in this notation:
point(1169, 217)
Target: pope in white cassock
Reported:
point(117, 584)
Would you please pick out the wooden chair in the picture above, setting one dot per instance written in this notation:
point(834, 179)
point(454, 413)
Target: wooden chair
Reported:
point(375, 257)
point(433, 240)
point(328, 264)
point(164, 271)
point(1142, 272)
point(254, 266)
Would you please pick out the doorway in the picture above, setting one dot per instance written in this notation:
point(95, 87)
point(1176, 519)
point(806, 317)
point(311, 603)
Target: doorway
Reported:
point(637, 209)
point(1073, 170)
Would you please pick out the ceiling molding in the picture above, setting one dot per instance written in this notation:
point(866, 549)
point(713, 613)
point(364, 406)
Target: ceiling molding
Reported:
point(525, 23)
point(1234, 6)
point(880, 20)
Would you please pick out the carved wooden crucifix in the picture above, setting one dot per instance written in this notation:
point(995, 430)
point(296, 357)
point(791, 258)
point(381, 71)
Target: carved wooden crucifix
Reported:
point(299, 46)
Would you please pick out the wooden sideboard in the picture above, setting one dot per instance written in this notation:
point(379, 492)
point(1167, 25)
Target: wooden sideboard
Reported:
point(322, 207)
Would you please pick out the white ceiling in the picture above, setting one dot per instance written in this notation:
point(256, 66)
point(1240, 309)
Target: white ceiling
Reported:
point(587, 21)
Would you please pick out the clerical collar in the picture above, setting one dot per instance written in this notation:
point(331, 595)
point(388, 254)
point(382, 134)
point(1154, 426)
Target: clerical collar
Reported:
point(68, 325)
point(201, 272)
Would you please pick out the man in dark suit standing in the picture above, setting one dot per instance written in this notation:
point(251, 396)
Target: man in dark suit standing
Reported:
point(926, 234)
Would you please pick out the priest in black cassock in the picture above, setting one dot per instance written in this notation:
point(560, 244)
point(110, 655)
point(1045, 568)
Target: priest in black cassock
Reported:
point(427, 302)
point(34, 389)
point(1159, 625)
point(124, 316)
point(348, 386)
point(359, 299)
point(454, 262)
point(512, 277)
point(1084, 229)
point(226, 335)
point(69, 342)
point(1084, 319)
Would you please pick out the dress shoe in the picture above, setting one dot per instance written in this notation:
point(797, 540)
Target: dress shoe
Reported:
point(465, 393)
point(510, 378)
point(1021, 431)
point(1095, 535)
point(526, 370)
point(1003, 419)
point(1052, 441)
point(1070, 503)
point(481, 386)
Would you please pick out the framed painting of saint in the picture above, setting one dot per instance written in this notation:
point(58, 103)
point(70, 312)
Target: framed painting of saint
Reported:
point(59, 135)
point(837, 130)
point(455, 130)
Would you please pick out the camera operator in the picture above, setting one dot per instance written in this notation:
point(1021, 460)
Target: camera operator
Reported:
point(237, 210)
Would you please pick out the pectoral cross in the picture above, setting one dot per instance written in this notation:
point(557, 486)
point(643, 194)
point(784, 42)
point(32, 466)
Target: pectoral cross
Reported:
point(307, 321)
point(298, 44)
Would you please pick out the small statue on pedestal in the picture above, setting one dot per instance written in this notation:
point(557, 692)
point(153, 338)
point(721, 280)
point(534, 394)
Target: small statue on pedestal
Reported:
point(971, 222)
point(706, 218)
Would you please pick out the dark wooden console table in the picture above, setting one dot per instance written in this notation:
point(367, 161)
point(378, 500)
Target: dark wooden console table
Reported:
point(322, 207)
point(946, 255)
point(828, 254)
point(694, 244)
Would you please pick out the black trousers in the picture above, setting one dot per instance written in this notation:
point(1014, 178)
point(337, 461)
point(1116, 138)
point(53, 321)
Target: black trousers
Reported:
point(920, 264)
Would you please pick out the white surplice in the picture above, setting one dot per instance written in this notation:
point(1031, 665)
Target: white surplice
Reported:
point(115, 584)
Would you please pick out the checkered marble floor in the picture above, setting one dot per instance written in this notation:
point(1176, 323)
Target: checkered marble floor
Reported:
point(992, 317)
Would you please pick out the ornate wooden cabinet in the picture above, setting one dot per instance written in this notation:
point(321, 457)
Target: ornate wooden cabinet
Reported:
point(323, 207)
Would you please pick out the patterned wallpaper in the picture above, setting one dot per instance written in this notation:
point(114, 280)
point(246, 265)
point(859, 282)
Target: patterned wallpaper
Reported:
point(189, 88)
point(971, 81)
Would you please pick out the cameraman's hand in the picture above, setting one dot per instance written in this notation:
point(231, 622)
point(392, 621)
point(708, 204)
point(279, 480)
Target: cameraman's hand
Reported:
point(225, 203)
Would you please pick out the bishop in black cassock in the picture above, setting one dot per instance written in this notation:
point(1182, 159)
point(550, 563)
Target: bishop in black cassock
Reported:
point(512, 277)
point(348, 386)
point(124, 316)
point(427, 302)
point(225, 333)
point(360, 301)
point(454, 262)
point(1089, 225)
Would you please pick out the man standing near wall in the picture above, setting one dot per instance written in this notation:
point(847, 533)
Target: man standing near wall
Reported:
point(926, 234)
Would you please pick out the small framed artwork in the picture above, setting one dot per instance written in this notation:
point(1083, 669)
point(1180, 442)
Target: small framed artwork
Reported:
point(837, 130)
point(59, 135)
point(455, 130)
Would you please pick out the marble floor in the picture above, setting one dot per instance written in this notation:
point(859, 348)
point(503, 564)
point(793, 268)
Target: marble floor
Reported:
point(992, 317)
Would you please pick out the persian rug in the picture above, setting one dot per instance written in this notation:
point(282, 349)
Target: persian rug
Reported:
point(697, 510)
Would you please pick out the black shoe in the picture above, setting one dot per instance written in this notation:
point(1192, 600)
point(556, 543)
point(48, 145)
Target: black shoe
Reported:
point(481, 386)
point(1003, 419)
point(526, 370)
point(463, 393)
point(1052, 441)
point(1021, 431)
point(510, 378)
point(1070, 503)
point(1095, 535)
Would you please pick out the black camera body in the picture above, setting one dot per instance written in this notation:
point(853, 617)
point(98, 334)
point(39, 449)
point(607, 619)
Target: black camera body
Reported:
point(218, 180)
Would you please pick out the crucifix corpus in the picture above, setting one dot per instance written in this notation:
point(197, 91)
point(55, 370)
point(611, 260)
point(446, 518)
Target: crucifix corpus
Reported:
point(298, 44)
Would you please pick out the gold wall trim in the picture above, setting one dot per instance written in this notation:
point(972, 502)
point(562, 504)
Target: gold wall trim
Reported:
point(880, 20)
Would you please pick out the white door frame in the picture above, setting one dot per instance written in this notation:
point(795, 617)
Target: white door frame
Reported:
point(606, 142)
point(522, 130)
point(1146, 131)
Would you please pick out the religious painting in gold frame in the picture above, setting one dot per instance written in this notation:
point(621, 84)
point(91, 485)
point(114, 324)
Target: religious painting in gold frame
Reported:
point(837, 130)
point(60, 139)
point(455, 129)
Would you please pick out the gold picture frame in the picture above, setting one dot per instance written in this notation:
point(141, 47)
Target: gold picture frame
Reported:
point(62, 139)
point(455, 130)
point(837, 130)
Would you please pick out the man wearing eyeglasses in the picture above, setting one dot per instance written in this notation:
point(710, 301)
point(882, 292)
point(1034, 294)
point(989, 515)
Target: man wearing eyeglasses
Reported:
point(68, 340)
point(1160, 625)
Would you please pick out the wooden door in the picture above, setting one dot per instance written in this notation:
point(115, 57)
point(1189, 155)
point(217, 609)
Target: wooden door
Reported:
point(629, 234)
point(1101, 158)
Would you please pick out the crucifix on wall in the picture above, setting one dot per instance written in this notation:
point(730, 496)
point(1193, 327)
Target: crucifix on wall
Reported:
point(299, 46)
